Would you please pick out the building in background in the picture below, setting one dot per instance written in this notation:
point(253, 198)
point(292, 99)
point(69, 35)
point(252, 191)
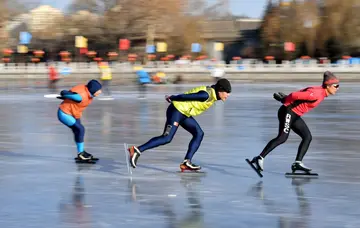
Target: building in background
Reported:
point(42, 17)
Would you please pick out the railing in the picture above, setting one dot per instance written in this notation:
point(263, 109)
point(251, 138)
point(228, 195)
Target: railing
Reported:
point(178, 67)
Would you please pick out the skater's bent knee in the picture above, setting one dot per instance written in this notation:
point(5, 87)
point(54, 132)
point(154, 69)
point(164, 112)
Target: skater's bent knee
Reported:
point(281, 139)
point(167, 139)
point(307, 138)
point(200, 134)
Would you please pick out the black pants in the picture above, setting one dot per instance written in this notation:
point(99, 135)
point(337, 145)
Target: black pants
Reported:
point(290, 120)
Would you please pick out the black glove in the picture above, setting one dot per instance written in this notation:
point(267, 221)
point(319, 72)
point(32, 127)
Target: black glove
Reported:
point(279, 96)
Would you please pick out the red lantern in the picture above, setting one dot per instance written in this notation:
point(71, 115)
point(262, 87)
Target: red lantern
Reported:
point(35, 60)
point(97, 59)
point(7, 52)
point(201, 57)
point(64, 54)
point(236, 58)
point(170, 56)
point(6, 60)
point(269, 57)
point(39, 53)
point(151, 56)
point(112, 54)
point(91, 53)
point(66, 59)
point(132, 56)
point(124, 44)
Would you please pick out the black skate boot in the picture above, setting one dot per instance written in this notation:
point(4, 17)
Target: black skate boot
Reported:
point(187, 165)
point(85, 157)
point(298, 165)
point(257, 163)
point(134, 155)
point(92, 157)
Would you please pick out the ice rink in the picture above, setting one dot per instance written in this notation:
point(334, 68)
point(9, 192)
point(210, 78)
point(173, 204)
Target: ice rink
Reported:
point(41, 186)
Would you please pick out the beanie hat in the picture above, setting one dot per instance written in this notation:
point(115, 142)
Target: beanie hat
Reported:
point(93, 86)
point(223, 85)
point(329, 78)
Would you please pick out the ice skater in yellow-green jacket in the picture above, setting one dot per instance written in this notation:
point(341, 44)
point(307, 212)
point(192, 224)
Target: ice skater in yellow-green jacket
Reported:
point(181, 111)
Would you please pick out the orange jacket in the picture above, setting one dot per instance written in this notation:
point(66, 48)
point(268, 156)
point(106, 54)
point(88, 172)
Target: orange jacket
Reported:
point(73, 108)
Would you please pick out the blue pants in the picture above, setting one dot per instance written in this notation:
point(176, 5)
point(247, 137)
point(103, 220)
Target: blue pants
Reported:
point(173, 119)
point(76, 126)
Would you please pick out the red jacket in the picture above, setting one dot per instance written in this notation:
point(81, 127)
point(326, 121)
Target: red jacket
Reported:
point(304, 100)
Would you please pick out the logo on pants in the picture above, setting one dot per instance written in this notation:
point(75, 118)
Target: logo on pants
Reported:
point(287, 123)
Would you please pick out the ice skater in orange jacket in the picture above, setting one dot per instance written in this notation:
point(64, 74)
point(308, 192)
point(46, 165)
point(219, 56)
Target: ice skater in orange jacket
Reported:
point(70, 111)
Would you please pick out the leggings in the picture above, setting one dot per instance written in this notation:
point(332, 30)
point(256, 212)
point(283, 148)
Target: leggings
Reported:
point(290, 120)
point(173, 119)
point(76, 126)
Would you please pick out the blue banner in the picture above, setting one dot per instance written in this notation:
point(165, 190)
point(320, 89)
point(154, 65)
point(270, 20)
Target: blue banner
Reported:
point(195, 47)
point(150, 49)
point(25, 37)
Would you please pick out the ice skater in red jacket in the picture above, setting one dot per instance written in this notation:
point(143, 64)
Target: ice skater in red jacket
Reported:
point(294, 106)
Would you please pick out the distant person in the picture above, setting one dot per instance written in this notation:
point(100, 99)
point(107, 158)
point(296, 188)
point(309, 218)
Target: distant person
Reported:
point(143, 79)
point(53, 78)
point(106, 77)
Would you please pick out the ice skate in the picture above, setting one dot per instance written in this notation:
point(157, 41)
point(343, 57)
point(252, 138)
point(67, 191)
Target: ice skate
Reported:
point(188, 165)
point(134, 155)
point(85, 157)
point(299, 166)
point(257, 163)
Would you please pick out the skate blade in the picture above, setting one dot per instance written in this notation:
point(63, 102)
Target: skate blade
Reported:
point(93, 159)
point(254, 168)
point(127, 158)
point(51, 95)
point(85, 161)
point(302, 175)
point(191, 172)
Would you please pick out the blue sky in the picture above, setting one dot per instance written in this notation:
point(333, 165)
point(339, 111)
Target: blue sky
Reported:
point(251, 8)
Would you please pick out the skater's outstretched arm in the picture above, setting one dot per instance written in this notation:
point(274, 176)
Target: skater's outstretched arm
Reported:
point(65, 94)
point(199, 96)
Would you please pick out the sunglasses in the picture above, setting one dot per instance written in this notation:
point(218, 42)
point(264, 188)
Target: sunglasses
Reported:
point(336, 85)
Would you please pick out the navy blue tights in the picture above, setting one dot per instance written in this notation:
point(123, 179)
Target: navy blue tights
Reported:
point(173, 119)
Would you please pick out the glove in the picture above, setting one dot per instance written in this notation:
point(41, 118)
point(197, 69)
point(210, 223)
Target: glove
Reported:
point(63, 92)
point(167, 98)
point(279, 96)
point(61, 98)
